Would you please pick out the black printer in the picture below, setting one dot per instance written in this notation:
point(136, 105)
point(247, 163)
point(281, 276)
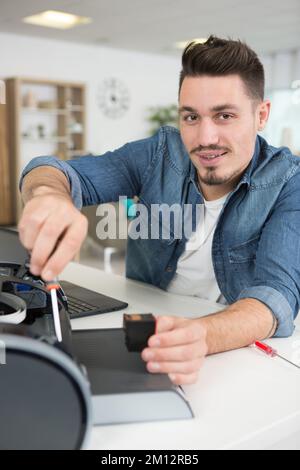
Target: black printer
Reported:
point(45, 400)
point(52, 392)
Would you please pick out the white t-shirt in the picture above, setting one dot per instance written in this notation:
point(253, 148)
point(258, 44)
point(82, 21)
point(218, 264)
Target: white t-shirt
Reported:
point(195, 273)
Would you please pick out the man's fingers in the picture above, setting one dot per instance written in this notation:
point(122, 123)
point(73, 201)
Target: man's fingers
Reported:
point(183, 379)
point(47, 219)
point(45, 243)
point(29, 228)
point(178, 349)
point(190, 367)
point(165, 323)
point(66, 250)
point(186, 334)
point(179, 353)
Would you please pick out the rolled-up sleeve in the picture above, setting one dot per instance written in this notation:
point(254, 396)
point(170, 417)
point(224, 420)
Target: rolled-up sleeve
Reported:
point(277, 267)
point(100, 179)
point(277, 303)
point(76, 192)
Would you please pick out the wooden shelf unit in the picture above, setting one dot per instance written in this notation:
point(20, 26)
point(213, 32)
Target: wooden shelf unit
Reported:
point(45, 117)
point(6, 210)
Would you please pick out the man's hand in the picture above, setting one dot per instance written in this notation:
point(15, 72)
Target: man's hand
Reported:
point(178, 349)
point(52, 229)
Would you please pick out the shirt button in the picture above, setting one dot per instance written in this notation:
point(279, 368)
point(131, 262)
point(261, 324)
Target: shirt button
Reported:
point(169, 269)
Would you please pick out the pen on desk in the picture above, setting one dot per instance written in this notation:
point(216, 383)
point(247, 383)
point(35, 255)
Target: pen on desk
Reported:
point(272, 352)
point(52, 286)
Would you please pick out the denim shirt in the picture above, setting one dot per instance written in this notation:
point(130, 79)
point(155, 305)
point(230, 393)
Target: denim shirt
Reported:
point(256, 244)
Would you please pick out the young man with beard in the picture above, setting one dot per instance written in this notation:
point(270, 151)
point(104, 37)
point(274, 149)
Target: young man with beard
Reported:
point(245, 251)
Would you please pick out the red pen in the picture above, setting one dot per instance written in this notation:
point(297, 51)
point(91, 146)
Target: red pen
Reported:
point(272, 352)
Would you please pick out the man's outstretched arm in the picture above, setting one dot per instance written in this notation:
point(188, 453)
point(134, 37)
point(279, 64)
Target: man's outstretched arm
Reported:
point(180, 345)
point(54, 191)
point(264, 309)
point(239, 325)
point(51, 227)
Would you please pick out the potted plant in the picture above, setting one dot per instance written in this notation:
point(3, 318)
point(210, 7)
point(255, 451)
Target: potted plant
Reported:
point(162, 116)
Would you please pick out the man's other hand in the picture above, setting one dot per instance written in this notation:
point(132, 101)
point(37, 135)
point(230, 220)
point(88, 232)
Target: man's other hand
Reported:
point(178, 349)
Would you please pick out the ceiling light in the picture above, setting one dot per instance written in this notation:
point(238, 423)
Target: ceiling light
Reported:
point(56, 19)
point(183, 44)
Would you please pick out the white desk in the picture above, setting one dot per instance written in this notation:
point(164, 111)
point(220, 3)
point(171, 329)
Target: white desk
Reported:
point(243, 399)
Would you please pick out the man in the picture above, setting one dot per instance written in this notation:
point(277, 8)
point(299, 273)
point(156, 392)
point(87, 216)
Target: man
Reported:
point(248, 254)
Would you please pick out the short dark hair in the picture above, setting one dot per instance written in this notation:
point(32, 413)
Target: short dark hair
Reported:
point(218, 57)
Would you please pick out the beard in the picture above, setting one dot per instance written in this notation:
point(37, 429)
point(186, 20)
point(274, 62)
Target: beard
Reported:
point(211, 178)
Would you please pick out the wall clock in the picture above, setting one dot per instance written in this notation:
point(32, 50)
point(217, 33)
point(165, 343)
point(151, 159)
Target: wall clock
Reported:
point(113, 98)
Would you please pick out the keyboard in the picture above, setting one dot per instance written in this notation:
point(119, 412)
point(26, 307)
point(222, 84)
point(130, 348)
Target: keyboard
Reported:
point(84, 302)
point(76, 306)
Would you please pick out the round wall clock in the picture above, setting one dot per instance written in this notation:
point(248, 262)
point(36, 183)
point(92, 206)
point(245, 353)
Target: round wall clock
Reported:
point(113, 98)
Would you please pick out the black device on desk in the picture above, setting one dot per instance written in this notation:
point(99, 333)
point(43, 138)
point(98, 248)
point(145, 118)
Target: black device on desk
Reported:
point(45, 400)
point(123, 391)
point(47, 381)
point(81, 302)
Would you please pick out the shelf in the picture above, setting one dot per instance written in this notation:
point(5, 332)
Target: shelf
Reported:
point(76, 152)
point(44, 110)
point(75, 109)
point(53, 109)
point(47, 140)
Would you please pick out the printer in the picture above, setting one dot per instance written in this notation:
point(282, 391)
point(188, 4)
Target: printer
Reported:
point(45, 399)
point(52, 392)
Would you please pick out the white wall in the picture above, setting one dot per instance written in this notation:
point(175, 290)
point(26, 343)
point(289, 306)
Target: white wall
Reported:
point(152, 80)
point(281, 69)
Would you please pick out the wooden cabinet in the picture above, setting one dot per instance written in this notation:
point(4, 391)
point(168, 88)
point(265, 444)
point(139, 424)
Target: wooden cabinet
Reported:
point(44, 118)
point(6, 209)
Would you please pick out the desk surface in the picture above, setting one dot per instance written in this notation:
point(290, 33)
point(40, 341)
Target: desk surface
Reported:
point(243, 399)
